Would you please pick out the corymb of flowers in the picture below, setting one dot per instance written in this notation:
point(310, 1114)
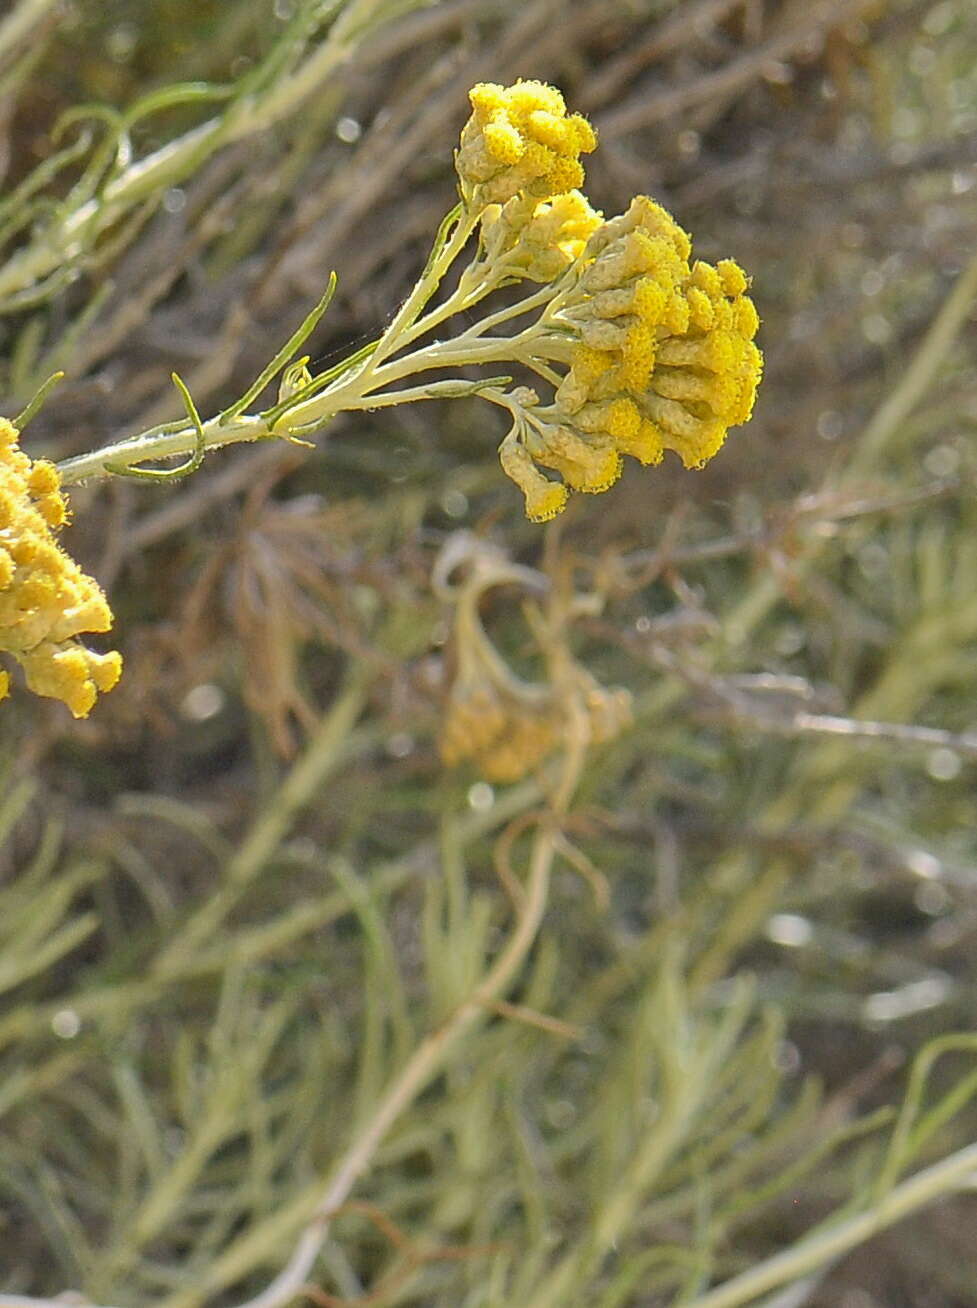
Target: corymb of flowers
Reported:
point(639, 349)
point(645, 350)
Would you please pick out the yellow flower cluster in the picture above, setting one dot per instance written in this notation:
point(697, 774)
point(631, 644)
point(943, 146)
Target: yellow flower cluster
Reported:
point(665, 357)
point(659, 350)
point(506, 729)
point(504, 733)
point(662, 357)
point(46, 601)
point(537, 239)
point(520, 140)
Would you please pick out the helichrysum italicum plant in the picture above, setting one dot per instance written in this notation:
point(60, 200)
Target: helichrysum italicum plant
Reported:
point(659, 353)
point(643, 351)
point(640, 349)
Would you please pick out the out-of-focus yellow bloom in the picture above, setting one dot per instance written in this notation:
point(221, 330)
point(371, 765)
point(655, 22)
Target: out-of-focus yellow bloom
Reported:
point(507, 732)
point(520, 140)
point(46, 601)
point(503, 731)
point(501, 724)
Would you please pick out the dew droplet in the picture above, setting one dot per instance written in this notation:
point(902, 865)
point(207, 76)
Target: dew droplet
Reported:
point(66, 1024)
point(481, 797)
point(790, 930)
point(348, 130)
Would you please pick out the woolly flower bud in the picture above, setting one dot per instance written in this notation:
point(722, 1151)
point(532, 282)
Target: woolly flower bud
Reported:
point(45, 599)
point(520, 139)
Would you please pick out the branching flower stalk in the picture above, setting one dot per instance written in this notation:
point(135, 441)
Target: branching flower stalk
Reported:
point(642, 350)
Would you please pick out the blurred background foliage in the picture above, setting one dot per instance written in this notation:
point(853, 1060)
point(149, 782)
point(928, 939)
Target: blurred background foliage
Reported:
point(208, 971)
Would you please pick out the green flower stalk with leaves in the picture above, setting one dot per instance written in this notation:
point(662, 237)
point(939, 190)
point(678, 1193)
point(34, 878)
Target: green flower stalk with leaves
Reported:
point(642, 350)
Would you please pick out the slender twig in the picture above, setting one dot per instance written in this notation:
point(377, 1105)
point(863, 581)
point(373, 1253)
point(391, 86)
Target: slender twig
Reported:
point(170, 441)
point(826, 724)
point(20, 20)
point(950, 1175)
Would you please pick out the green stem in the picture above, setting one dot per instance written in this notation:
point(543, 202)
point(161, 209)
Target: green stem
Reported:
point(356, 391)
point(541, 297)
point(458, 302)
point(958, 1172)
point(168, 441)
point(458, 353)
point(443, 390)
point(426, 286)
point(304, 780)
point(465, 297)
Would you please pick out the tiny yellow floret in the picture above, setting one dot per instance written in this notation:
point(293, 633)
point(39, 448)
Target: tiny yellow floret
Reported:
point(544, 498)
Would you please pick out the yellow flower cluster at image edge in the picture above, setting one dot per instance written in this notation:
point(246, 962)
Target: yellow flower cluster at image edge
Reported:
point(46, 601)
point(659, 349)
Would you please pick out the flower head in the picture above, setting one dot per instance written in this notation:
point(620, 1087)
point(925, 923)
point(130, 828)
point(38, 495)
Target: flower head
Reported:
point(660, 356)
point(665, 357)
point(46, 601)
point(520, 140)
point(544, 498)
